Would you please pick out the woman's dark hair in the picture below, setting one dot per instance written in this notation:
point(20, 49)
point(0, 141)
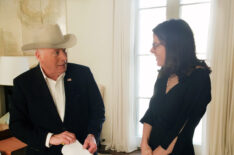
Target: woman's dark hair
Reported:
point(177, 37)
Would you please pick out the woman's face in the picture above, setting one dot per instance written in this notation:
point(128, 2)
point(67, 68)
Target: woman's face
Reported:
point(159, 50)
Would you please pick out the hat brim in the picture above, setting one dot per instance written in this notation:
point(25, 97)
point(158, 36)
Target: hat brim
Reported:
point(68, 42)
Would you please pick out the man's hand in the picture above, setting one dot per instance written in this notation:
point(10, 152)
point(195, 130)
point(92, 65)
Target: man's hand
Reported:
point(63, 138)
point(90, 144)
point(146, 149)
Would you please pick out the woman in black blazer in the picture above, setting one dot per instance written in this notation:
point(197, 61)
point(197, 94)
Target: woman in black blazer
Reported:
point(181, 92)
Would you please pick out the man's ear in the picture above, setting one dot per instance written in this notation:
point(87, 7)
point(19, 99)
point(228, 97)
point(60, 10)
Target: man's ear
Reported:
point(37, 54)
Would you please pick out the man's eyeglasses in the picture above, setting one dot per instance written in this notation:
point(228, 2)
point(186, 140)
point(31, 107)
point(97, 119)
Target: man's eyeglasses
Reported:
point(155, 45)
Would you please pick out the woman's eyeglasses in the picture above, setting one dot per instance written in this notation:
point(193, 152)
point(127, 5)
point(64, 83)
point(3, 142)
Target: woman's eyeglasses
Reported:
point(155, 45)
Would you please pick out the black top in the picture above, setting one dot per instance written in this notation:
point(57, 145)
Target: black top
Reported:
point(183, 106)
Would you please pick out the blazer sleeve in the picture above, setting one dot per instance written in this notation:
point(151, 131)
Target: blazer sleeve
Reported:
point(196, 99)
point(20, 123)
point(96, 107)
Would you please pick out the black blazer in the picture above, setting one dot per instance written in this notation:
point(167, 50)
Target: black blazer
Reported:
point(33, 113)
point(178, 112)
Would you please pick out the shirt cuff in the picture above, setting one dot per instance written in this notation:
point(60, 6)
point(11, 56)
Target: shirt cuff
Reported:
point(47, 144)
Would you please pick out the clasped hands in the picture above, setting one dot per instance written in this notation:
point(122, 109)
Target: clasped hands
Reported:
point(146, 150)
point(66, 137)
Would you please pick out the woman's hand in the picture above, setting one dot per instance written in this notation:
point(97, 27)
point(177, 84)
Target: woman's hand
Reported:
point(160, 151)
point(146, 149)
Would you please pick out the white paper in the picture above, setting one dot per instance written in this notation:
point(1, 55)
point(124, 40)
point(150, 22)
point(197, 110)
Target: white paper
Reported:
point(75, 149)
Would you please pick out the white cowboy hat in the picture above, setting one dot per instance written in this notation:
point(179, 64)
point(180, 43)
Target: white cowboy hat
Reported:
point(50, 36)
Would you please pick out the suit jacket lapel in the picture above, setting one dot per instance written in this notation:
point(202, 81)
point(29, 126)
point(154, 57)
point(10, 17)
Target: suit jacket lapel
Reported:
point(48, 99)
point(68, 92)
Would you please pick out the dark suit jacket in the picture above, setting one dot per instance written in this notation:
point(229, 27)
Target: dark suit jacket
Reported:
point(33, 113)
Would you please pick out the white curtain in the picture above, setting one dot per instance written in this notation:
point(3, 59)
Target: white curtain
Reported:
point(220, 116)
point(123, 137)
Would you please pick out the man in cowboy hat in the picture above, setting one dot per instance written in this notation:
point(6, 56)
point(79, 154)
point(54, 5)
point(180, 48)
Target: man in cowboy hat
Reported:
point(56, 102)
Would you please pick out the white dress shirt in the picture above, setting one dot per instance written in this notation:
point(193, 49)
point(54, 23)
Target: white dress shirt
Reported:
point(58, 94)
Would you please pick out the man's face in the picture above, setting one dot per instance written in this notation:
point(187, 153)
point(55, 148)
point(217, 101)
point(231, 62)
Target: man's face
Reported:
point(52, 61)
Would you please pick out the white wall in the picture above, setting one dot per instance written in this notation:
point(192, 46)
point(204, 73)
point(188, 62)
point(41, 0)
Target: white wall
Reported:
point(92, 22)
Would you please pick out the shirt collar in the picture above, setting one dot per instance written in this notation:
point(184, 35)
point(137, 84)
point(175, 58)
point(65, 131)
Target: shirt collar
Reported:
point(45, 77)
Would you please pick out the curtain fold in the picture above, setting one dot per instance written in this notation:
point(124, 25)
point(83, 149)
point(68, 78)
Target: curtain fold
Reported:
point(220, 116)
point(123, 136)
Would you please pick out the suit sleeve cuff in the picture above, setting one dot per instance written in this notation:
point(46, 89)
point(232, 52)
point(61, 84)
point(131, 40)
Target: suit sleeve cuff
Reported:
point(47, 143)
